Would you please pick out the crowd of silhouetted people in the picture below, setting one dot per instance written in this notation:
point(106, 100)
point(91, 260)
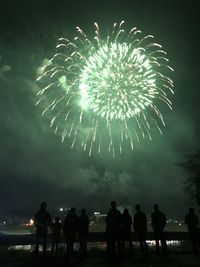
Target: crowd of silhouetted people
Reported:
point(71, 225)
point(118, 230)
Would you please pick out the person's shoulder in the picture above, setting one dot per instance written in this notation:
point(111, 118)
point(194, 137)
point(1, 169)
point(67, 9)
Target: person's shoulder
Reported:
point(36, 214)
point(109, 211)
point(76, 217)
point(47, 213)
point(162, 214)
point(143, 214)
point(137, 216)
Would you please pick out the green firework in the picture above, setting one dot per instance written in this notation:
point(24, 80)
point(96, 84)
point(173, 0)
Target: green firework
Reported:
point(101, 92)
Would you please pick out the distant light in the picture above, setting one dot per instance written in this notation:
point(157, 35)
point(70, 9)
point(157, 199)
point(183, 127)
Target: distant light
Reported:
point(96, 213)
point(61, 209)
point(4, 222)
point(173, 242)
point(169, 242)
point(179, 224)
point(30, 223)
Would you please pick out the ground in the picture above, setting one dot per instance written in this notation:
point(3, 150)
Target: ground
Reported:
point(176, 258)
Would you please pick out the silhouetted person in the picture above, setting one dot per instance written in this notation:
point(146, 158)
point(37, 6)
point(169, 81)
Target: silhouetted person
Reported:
point(42, 220)
point(113, 227)
point(126, 222)
point(158, 222)
point(56, 234)
point(83, 229)
point(140, 228)
point(192, 222)
point(70, 228)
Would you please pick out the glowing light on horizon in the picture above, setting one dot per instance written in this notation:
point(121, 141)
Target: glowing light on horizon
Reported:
point(101, 92)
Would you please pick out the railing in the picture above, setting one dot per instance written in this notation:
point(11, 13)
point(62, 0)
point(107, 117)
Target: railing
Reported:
point(30, 239)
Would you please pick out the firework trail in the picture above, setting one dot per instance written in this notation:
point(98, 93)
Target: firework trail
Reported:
point(102, 92)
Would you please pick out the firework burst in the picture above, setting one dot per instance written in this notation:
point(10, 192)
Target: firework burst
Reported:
point(101, 92)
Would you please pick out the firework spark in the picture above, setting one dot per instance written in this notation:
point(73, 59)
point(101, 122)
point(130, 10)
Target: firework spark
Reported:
point(101, 92)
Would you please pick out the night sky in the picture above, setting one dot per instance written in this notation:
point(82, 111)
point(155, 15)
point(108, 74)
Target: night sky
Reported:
point(36, 166)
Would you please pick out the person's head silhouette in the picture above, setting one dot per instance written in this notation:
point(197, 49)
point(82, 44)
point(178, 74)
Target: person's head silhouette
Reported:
point(57, 220)
point(137, 207)
point(113, 204)
point(126, 211)
point(83, 212)
point(156, 208)
point(191, 210)
point(72, 210)
point(43, 205)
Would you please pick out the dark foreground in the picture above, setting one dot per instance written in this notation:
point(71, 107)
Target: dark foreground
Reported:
point(176, 258)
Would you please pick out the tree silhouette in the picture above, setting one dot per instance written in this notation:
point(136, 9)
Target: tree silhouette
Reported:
point(191, 169)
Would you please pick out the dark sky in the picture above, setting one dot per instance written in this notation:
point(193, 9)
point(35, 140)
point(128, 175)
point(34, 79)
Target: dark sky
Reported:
point(36, 166)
